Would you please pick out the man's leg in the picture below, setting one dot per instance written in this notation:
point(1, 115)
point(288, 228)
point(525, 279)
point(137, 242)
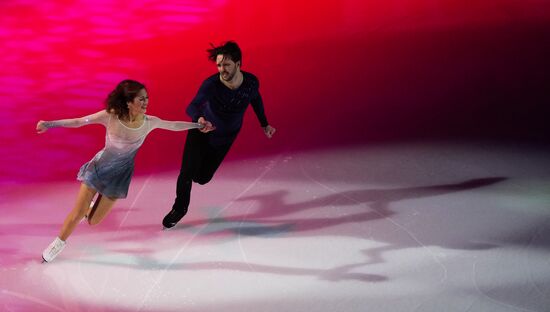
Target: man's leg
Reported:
point(210, 164)
point(191, 161)
point(199, 164)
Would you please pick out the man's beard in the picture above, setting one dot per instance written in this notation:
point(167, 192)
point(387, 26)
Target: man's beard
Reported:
point(228, 77)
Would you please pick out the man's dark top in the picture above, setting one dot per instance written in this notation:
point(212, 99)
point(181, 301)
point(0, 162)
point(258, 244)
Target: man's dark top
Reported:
point(225, 108)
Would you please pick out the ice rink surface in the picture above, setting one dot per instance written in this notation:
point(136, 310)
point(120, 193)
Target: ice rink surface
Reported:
point(418, 226)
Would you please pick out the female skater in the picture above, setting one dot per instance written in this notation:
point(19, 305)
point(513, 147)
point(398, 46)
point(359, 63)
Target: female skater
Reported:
point(109, 172)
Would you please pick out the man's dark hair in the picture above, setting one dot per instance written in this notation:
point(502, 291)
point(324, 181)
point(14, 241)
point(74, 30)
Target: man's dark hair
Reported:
point(230, 49)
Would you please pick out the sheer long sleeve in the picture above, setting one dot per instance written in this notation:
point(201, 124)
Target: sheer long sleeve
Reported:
point(172, 125)
point(101, 117)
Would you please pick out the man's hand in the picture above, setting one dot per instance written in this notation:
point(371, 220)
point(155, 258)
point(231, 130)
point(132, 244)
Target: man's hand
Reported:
point(206, 125)
point(269, 131)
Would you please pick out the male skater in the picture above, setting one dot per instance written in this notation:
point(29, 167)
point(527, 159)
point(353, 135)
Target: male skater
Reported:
point(220, 102)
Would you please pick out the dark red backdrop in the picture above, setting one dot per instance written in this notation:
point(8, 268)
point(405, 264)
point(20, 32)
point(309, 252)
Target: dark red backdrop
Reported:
point(332, 72)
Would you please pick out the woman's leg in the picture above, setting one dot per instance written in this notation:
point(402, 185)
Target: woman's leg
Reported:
point(93, 207)
point(101, 208)
point(82, 204)
point(81, 207)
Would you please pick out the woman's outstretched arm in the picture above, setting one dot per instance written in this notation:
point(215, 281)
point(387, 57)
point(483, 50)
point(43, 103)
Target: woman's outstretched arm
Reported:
point(100, 117)
point(176, 125)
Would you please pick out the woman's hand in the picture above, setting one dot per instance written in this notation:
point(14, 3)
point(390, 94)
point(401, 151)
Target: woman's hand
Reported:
point(41, 127)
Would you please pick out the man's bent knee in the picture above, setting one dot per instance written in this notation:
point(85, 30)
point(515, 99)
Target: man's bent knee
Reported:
point(202, 181)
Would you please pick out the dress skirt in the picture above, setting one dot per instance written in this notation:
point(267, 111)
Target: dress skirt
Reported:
point(109, 173)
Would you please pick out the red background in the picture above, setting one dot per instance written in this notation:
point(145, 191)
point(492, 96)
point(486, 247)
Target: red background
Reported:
point(332, 73)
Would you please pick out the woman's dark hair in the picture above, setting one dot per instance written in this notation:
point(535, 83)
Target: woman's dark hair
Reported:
point(229, 49)
point(126, 91)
